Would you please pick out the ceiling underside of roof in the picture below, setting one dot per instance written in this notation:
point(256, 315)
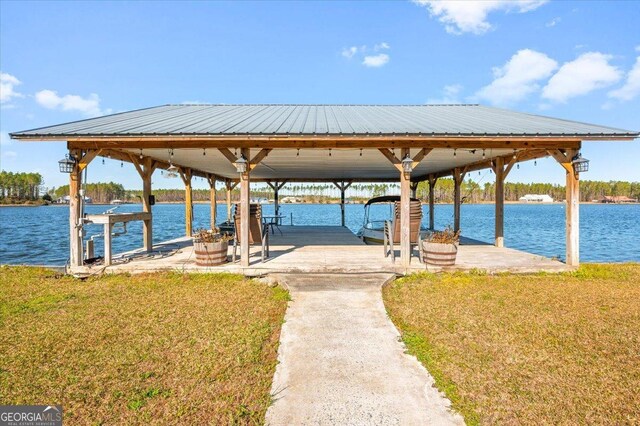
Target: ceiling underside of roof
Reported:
point(342, 164)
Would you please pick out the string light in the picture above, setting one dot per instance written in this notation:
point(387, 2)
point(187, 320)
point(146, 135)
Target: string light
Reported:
point(454, 152)
point(483, 154)
point(141, 153)
point(235, 152)
point(103, 161)
point(518, 166)
point(298, 153)
point(121, 164)
point(360, 152)
point(329, 152)
point(204, 152)
point(514, 154)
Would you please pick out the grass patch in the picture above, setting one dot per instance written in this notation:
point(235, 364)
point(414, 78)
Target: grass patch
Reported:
point(155, 348)
point(528, 349)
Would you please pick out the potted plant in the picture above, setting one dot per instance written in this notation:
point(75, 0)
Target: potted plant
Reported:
point(211, 247)
point(440, 248)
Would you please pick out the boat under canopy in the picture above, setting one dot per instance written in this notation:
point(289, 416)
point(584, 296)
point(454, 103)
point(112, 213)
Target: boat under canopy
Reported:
point(372, 231)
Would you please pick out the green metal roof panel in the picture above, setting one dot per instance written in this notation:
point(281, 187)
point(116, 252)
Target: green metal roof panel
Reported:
point(219, 120)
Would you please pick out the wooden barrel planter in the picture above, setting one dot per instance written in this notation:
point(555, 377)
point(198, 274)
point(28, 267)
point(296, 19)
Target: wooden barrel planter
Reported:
point(439, 254)
point(211, 254)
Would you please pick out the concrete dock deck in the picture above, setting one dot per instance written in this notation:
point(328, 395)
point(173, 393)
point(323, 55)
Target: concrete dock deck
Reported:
point(325, 249)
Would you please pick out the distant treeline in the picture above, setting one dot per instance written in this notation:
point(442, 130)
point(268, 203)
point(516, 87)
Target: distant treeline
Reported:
point(474, 193)
point(28, 186)
point(20, 187)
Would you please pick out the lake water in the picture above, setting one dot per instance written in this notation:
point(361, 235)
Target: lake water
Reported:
point(608, 233)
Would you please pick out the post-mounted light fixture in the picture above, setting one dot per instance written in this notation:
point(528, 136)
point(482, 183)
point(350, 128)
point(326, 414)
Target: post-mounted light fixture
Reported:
point(579, 163)
point(407, 164)
point(67, 164)
point(241, 164)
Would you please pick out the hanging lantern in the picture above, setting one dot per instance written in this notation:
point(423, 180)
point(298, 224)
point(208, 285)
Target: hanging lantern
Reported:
point(407, 164)
point(580, 164)
point(67, 164)
point(241, 165)
point(172, 171)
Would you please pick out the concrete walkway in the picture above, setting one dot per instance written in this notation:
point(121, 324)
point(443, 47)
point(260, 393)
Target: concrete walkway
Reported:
point(341, 360)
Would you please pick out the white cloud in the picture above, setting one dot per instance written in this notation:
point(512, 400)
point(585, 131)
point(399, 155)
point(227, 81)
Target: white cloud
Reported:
point(89, 106)
point(553, 22)
point(471, 16)
point(349, 52)
point(373, 58)
point(375, 61)
point(518, 78)
point(7, 88)
point(450, 95)
point(631, 87)
point(589, 71)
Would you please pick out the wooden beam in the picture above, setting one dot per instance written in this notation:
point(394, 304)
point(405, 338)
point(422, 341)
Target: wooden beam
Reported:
point(228, 155)
point(420, 156)
point(87, 158)
point(331, 141)
point(259, 157)
point(389, 155)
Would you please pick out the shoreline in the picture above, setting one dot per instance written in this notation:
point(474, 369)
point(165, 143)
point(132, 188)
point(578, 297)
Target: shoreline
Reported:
point(319, 204)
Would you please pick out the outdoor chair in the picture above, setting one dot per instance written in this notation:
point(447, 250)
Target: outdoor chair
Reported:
point(392, 229)
point(258, 233)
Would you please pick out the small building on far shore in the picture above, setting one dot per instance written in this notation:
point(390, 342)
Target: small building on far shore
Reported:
point(617, 199)
point(536, 198)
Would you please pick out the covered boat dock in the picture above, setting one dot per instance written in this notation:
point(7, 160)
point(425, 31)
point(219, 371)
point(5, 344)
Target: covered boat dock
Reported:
point(239, 144)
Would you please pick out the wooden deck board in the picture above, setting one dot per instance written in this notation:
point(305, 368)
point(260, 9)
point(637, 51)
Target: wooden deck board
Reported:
point(327, 249)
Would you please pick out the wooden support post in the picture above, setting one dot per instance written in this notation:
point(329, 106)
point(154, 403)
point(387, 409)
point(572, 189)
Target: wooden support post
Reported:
point(405, 215)
point(573, 218)
point(276, 186)
point(146, 170)
point(414, 189)
point(572, 210)
point(244, 212)
point(458, 178)
point(75, 228)
point(499, 214)
point(342, 186)
point(229, 187)
point(186, 175)
point(212, 199)
point(432, 187)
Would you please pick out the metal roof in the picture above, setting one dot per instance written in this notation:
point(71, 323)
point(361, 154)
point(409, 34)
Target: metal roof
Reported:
point(338, 120)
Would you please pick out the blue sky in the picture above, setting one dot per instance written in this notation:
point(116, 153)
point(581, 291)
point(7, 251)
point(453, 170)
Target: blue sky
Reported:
point(65, 61)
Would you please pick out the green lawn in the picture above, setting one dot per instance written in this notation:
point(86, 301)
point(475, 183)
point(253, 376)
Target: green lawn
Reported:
point(159, 348)
point(528, 349)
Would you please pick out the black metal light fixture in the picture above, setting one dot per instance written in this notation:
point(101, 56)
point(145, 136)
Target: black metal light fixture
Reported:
point(67, 164)
point(407, 164)
point(579, 163)
point(241, 164)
